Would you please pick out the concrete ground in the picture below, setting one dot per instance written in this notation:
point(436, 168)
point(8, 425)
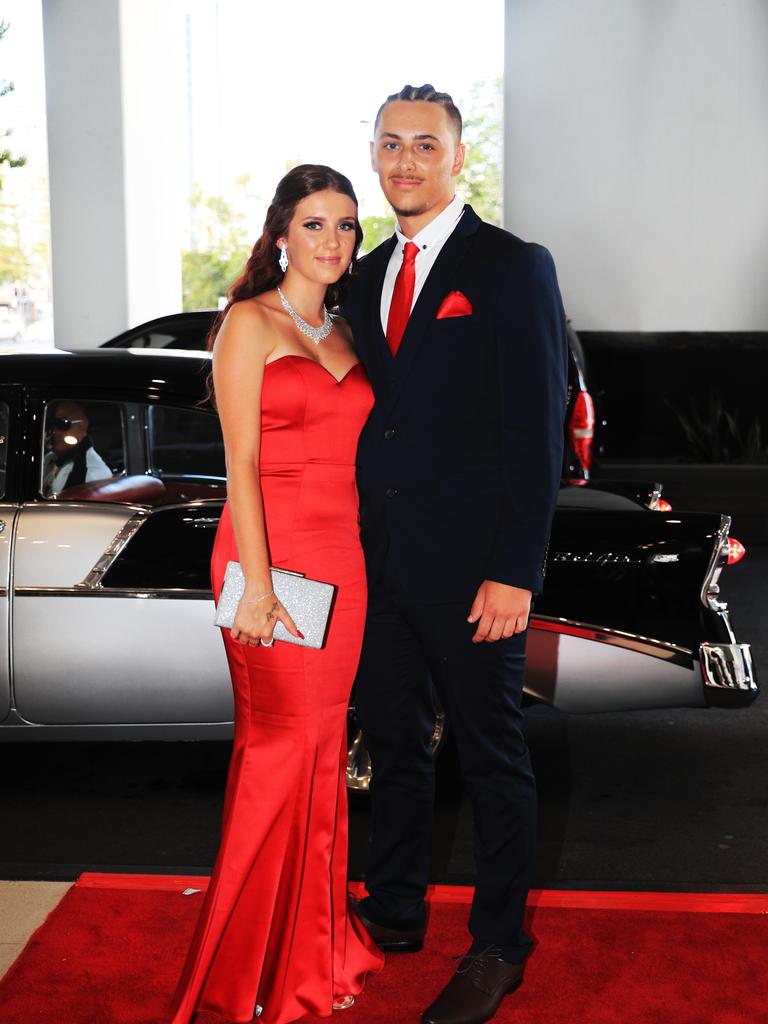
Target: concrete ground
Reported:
point(23, 908)
point(657, 799)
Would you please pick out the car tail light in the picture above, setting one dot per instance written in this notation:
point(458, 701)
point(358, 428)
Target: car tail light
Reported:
point(582, 428)
point(736, 551)
point(662, 506)
point(727, 552)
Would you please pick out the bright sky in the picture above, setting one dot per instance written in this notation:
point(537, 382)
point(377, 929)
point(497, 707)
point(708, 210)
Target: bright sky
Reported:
point(303, 80)
point(272, 84)
point(21, 61)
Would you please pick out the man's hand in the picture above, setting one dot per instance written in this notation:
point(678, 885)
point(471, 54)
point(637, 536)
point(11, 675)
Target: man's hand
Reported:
point(502, 611)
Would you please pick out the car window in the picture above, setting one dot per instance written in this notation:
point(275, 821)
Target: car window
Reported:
point(83, 449)
point(152, 339)
point(184, 334)
point(4, 417)
point(186, 447)
point(192, 338)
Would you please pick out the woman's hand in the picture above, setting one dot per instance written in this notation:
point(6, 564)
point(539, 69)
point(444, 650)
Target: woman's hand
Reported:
point(255, 621)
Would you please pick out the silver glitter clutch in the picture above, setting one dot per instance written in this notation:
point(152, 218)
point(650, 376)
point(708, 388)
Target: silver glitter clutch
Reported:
point(308, 602)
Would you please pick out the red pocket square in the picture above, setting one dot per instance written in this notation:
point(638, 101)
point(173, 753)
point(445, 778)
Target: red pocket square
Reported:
point(454, 304)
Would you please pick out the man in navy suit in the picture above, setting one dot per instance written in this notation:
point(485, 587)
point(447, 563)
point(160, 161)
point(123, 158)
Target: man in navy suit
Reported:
point(461, 329)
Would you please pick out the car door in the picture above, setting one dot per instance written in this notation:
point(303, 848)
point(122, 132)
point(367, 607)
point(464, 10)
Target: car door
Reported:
point(112, 621)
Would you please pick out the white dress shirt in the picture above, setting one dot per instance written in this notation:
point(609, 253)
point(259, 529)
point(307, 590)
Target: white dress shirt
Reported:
point(430, 241)
point(55, 477)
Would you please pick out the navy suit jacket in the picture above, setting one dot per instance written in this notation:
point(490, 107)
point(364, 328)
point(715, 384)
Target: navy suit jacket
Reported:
point(459, 464)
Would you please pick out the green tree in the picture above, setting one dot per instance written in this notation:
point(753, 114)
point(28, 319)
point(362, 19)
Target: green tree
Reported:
point(375, 231)
point(219, 250)
point(13, 265)
point(25, 232)
point(480, 182)
point(6, 157)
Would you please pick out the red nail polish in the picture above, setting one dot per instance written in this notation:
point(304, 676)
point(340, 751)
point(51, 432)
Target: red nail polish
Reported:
point(299, 633)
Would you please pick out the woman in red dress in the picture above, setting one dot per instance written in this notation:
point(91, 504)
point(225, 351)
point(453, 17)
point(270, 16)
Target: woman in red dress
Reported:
point(275, 939)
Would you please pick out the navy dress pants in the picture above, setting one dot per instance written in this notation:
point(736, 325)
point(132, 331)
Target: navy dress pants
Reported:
point(408, 647)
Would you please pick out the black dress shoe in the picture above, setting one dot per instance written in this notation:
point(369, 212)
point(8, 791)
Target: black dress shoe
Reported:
point(474, 993)
point(391, 940)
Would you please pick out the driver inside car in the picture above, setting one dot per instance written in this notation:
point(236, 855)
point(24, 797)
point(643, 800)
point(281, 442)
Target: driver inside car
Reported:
point(71, 459)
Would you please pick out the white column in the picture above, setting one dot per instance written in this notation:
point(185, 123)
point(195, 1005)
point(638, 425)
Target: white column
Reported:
point(636, 148)
point(117, 163)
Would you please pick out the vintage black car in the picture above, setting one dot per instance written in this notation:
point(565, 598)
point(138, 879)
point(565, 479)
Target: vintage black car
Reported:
point(105, 600)
point(188, 331)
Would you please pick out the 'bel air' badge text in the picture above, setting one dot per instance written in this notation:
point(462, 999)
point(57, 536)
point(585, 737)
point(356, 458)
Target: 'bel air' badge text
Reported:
point(596, 558)
point(611, 558)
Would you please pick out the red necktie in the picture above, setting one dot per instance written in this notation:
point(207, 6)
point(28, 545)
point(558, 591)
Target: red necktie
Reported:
point(402, 298)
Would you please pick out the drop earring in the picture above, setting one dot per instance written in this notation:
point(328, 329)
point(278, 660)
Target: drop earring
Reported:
point(283, 261)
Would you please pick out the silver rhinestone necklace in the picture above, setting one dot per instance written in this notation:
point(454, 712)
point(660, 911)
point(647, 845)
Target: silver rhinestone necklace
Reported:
point(317, 334)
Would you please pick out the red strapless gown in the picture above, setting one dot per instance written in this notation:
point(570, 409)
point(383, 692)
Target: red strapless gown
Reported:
point(275, 931)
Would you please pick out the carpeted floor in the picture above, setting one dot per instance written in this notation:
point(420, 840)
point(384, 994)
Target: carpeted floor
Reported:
point(111, 951)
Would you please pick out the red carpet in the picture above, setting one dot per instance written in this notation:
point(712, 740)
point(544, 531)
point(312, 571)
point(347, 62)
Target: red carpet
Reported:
point(111, 951)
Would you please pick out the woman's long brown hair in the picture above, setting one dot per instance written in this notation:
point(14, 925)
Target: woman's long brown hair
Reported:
point(262, 272)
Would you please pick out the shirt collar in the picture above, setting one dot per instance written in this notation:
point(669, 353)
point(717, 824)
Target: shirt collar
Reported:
point(438, 229)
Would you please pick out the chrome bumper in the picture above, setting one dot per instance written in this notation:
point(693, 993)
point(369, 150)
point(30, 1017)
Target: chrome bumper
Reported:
point(728, 669)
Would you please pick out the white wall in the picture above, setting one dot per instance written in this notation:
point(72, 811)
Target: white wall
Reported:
point(155, 153)
point(85, 159)
point(636, 149)
point(115, 112)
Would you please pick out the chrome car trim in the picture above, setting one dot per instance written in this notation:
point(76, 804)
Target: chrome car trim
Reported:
point(93, 580)
point(616, 637)
point(573, 673)
point(192, 503)
point(727, 667)
point(11, 578)
point(725, 618)
point(655, 495)
point(17, 730)
point(709, 588)
point(358, 771)
point(133, 506)
point(79, 590)
point(63, 506)
point(206, 522)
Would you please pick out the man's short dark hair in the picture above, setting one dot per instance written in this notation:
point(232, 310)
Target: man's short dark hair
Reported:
point(428, 94)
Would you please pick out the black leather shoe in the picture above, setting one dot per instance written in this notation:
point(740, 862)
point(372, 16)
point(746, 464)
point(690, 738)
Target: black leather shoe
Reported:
point(474, 993)
point(391, 940)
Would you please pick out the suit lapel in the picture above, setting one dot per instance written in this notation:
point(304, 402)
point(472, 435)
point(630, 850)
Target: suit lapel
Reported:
point(377, 355)
point(435, 288)
point(378, 338)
